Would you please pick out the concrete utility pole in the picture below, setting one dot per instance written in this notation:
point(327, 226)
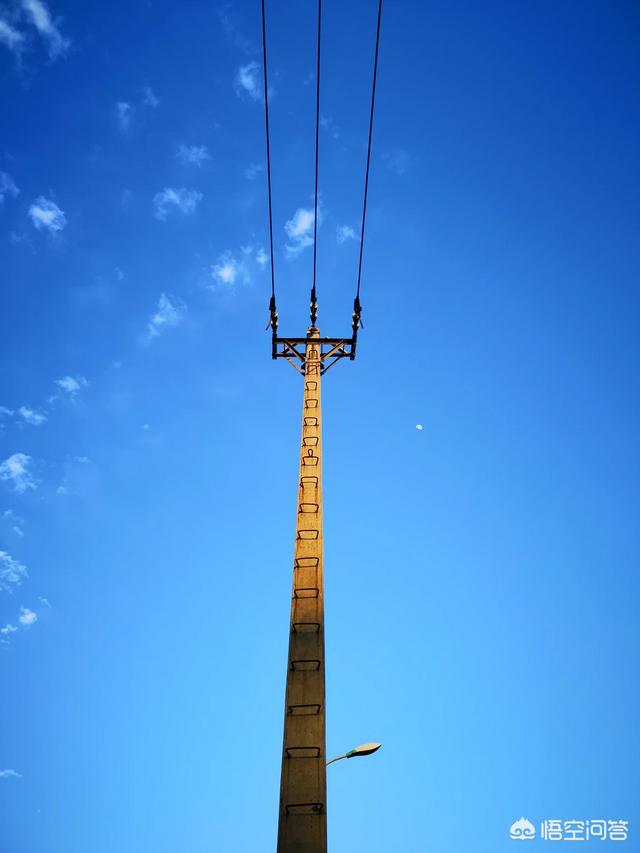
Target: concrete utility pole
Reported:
point(302, 826)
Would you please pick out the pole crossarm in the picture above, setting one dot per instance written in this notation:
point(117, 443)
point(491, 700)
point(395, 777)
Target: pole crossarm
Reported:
point(330, 350)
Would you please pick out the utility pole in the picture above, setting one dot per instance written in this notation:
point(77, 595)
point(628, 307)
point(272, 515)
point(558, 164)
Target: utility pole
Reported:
point(302, 825)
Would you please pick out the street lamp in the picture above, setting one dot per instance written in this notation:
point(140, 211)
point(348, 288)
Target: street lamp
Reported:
point(363, 749)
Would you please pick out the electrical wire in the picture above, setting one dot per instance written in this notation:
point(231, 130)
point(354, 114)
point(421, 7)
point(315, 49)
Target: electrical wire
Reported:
point(314, 306)
point(272, 305)
point(366, 179)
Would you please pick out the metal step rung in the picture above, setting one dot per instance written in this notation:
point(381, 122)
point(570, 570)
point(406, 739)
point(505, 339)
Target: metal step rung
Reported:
point(310, 459)
point(311, 403)
point(306, 665)
point(311, 710)
point(306, 627)
point(307, 562)
point(308, 482)
point(308, 533)
point(312, 385)
point(292, 809)
point(310, 441)
point(306, 592)
point(295, 751)
point(311, 421)
point(308, 508)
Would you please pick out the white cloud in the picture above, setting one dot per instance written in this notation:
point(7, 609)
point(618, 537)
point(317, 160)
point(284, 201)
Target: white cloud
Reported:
point(5, 413)
point(252, 170)
point(7, 185)
point(344, 233)
point(262, 259)
point(72, 384)
point(124, 116)
point(9, 774)
point(397, 161)
point(8, 629)
point(15, 469)
point(10, 37)
point(12, 572)
point(182, 199)
point(32, 417)
point(45, 213)
point(419, 427)
point(149, 97)
point(44, 601)
point(43, 22)
point(27, 617)
point(169, 312)
point(226, 270)
point(192, 155)
point(299, 230)
point(248, 81)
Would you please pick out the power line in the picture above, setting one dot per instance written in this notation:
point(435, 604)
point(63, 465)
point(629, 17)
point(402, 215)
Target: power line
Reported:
point(314, 304)
point(356, 303)
point(272, 302)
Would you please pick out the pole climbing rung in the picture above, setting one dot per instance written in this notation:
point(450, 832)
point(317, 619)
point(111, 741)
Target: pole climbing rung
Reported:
point(307, 562)
point(302, 751)
point(308, 533)
point(309, 482)
point(306, 665)
point(306, 627)
point(309, 710)
point(306, 592)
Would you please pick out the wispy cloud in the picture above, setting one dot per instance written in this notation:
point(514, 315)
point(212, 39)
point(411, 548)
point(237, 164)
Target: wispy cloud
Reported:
point(398, 160)
point(5, 413)
point(248, 81)
point(299, 230)
point(169, 312)
point(181, 199)
point(4, 633)
point(344, 233)
point(233, 268)
point(9, 774)
point(230, 28)
point(41, 19)
point(27, 617)
point(12, 572)
point(10, 518)
point(262, 259)
point(71, 384)
point(192, 155)
point(15, 470)
point(31, 416)
point(7, 185)
point(10, 37)
point(124, 116)
point(253, 169)
point(46, 214)
point(149, 97)
point(225, 271)
point(328, 124)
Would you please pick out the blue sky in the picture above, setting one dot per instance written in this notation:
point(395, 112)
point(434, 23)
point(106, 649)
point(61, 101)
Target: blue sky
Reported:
point(481, 572)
